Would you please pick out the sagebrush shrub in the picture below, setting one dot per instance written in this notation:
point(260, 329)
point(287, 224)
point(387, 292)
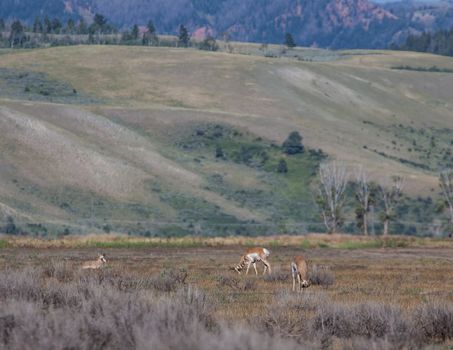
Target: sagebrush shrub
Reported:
point(433, 322)
point(321, 276)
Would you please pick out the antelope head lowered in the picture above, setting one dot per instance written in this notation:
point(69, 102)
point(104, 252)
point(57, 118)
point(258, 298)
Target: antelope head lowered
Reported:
point(251, 257)
point(299, 271)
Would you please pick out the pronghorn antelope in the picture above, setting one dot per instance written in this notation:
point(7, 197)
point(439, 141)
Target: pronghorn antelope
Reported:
point(251, 257)
point(96, 264)
point(299, 269)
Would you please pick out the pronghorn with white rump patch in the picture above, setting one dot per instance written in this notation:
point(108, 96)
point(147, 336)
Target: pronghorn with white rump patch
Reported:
point(299, 270)
point(95, 264)
point(251, 257)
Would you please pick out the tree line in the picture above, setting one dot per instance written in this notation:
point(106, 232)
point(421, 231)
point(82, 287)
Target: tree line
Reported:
point(440, 43)
point(46, 31)
point(333, 184)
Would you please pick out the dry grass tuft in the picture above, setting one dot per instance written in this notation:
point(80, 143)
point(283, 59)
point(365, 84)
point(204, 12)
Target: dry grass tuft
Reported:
point(236, 283)
point(433, 322)
point(321, 276)
point(340, 241)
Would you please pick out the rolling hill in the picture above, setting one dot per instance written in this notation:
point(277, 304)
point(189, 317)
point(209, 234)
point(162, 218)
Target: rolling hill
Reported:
point(126, 138)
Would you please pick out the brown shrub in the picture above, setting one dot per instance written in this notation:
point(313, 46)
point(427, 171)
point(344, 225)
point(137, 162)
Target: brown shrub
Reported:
point(321, 276)
point(370, 320)
point(236, 283)
point(290, 315)
point(277, 276)
point(433, 322)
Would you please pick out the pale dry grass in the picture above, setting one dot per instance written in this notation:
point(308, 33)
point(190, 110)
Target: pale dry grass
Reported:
point(307, 241)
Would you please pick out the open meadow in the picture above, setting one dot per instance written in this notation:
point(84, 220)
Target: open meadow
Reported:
point(394, 293)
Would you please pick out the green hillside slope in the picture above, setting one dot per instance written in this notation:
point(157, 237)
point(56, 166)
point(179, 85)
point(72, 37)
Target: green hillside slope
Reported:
point(126, 138)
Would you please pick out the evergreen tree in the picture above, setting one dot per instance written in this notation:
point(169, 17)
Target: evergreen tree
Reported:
point(17, 35)
point(440, 42)
point(82, 27)
point(183, 36)
point(70, 26)
point(209, 44)
point(282, 167)
point(126, 37)
point(151, 28)
point(10, 227)
point(56, 26)
point(150, 37)
point(99, 25)
point(289, 41)
point(37, 25)
point(134, 32)
point(47, 25)
point(219, 152)
point(99, 20)
point(293, 144)
point(2, 25)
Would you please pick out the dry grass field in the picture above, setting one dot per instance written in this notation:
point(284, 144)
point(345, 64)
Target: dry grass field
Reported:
point(391, 297)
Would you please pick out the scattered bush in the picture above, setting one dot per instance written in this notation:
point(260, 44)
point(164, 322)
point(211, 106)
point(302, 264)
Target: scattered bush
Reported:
point(321, 276)
point(236, 283)
point(282, 167)
point(116, 309)
point(433, 322)
point(59, 270)
point(170, 280)
point(293, 144)
point(277, 276)
point(370, 320)
point(209, 44)
point(290, 315)
point(106, 315)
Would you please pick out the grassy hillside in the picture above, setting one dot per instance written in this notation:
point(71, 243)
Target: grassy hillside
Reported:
point(124, 138)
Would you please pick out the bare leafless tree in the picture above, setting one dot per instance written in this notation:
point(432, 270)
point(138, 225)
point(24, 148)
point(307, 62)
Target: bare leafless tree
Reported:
point(363, 195)
point(446, 185)
point(331, 193)
point(391, 192)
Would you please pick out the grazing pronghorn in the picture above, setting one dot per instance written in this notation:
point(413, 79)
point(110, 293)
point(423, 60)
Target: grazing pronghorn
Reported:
point(299, 268)
point(96, 264)
point(251, 257)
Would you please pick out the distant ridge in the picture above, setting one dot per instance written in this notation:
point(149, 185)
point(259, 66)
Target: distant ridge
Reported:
point(322, 23)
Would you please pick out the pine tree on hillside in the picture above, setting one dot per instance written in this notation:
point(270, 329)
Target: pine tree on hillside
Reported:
point(47, 25)
point(56, 26)
point(209, 44)
point(17, 35)
point(151, 28)
point(134, 32)
point(37, 25)
point(293, 144)
point(289, 41)
point(183, 37)
point(150, 37)
point(82, 29)
point(282, 167)
point(99, 20)
point(70, 26)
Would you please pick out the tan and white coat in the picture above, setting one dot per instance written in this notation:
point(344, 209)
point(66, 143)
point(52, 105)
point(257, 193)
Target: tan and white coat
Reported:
point(299, 271)
point(251, 257)
point(95, 264)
